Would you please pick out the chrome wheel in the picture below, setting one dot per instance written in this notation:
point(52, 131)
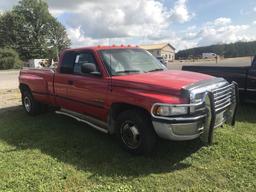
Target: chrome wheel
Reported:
point(27, 104)
point(130, 135)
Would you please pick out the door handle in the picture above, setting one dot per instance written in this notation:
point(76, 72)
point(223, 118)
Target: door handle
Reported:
point(70, 82)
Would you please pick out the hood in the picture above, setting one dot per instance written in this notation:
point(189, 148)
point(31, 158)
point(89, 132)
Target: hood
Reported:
point(170, 81)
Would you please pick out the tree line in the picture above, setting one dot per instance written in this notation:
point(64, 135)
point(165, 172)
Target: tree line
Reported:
point(32, 32)
point(239, 49)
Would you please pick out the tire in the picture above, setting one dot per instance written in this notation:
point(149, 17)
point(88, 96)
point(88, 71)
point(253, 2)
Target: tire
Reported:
point(135, 132)
point(30, 106)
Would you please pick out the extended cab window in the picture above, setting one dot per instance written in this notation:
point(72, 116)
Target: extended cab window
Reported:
point(67, 64)
point(74, 63)
point(85, 58)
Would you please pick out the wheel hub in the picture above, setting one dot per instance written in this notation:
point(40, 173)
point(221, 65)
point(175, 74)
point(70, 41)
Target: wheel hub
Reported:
point(130, 135)
point(27, 104)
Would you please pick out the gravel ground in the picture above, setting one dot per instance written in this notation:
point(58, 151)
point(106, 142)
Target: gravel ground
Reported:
point(9, 92)
point(9, 98)
point(9, 79)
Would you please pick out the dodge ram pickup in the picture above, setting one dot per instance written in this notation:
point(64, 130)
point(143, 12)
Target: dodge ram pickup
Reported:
point(127, 92)
point(245, 77)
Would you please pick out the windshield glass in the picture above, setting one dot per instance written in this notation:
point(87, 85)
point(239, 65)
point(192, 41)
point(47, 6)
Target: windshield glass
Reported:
point(130, 61)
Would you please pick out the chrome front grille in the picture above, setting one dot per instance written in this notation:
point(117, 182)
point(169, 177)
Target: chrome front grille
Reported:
point(224, 94)
point(223, 97)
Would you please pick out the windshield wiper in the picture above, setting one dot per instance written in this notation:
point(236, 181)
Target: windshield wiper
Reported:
point(128, 71)
point(155, 70)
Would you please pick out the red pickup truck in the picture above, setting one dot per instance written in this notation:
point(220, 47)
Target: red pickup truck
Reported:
point(125, 91)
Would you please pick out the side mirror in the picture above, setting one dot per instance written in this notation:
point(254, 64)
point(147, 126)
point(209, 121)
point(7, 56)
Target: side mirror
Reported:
point(90, 68)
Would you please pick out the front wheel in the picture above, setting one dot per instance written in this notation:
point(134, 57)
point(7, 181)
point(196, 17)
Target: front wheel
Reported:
point(135, 132)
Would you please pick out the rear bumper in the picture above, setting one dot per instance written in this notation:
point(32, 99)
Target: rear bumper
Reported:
point(192, 126)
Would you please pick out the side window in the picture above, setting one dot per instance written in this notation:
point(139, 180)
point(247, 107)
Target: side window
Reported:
point(84, 58)
point(67, 63)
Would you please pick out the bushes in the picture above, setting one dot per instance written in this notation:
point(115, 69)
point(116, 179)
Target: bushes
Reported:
point(9, 59)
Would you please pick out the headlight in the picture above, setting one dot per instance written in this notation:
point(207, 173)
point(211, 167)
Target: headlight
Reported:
point(199, 97)
point(165, 110)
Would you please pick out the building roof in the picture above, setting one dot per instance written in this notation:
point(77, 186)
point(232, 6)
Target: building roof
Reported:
point(156, 46)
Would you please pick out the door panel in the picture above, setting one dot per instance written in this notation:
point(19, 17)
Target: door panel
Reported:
point(80, 92)
point(87, 91)
point(62, 76)
point(61, 87)
point(88, 96)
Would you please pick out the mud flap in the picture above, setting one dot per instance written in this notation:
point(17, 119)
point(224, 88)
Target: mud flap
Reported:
point(231, 114)
point(207, 136)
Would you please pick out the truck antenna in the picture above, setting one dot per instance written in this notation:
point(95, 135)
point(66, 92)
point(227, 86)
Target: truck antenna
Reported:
point(110, 60)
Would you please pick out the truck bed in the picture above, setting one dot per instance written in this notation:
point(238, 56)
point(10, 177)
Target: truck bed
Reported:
point(40, 82)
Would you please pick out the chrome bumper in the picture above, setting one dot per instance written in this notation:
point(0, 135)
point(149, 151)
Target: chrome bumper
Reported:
point(194, 125)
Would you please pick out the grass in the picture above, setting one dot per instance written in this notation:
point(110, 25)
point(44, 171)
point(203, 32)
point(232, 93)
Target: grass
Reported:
point(55, 153)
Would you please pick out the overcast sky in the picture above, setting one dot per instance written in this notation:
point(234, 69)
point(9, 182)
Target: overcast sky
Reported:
point(183, 23)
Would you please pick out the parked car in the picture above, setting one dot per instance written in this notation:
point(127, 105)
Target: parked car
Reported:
point(162, 60)
point(245, 77)
point(125, 91)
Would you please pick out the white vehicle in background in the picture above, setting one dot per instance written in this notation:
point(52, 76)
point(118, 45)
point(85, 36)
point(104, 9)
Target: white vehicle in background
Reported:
point(40, 63)
point(209, 55)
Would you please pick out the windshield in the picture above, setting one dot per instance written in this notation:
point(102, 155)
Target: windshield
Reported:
point(130, 61)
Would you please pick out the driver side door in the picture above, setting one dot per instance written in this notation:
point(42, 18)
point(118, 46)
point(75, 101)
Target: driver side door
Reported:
point(88, 91)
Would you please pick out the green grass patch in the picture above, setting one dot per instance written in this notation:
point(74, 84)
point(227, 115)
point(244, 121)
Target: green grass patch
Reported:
point(55, 153)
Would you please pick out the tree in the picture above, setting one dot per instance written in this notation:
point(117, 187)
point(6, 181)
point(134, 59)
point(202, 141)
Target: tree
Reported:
point(32, 30)
point(9, 30)
point(58, 38)
point(9, 59)
point(239, 49)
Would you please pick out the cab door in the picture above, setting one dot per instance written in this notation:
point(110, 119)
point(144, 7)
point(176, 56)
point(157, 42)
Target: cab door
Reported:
point(87, 91)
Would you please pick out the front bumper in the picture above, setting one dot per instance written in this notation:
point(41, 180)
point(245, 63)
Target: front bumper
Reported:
point(195, 124)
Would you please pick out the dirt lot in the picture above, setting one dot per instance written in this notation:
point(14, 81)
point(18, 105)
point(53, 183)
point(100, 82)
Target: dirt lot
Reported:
point(9, 92)
point(9, 98)
point(9, 79)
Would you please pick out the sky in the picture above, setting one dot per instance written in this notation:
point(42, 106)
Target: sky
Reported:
point(182, 23)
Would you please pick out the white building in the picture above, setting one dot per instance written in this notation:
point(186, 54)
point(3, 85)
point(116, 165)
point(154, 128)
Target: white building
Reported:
point(166, 50)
